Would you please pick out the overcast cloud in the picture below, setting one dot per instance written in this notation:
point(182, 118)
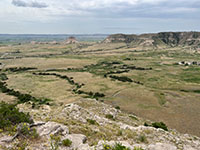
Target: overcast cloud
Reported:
point(98, 16)
point(34, 4)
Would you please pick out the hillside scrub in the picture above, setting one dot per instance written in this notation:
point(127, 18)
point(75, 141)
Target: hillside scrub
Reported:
point(10, 116)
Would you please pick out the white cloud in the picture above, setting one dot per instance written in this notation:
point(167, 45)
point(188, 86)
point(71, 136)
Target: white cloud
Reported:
point(61, 9)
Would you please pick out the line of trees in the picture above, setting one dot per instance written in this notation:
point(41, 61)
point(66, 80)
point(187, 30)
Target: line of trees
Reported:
point(22, 98)
point(76, 90)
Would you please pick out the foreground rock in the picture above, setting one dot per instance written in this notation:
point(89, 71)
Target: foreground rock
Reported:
point(90, 125)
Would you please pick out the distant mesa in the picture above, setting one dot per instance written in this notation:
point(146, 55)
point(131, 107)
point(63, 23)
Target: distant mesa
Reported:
point(71, 40)
point(158, 39)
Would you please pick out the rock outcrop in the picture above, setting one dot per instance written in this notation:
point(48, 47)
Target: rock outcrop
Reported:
point(86, 127)
point(158, 39)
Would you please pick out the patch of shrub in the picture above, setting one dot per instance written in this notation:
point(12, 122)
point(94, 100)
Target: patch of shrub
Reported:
point(109, 116)
point(92, 122)
point(157, 125)
point(122, 78)
point(97, 94)
point(54, 141)
point(117, 107)
point(117, 146)
point(10, 116)
point(142, 138)
point(21, 145)
point(3, 77)
point(133, 117)
point(67, 142)
point(19, 69)
point(146, 124)
point(160, 125)
point(28, 132)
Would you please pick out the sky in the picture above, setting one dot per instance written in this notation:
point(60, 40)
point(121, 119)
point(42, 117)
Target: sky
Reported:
point(98, 16)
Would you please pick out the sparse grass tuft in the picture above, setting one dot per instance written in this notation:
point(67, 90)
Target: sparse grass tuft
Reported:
point(142, 138)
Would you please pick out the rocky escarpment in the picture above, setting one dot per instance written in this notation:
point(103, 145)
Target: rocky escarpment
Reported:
point(92, 125)
point(158, 39)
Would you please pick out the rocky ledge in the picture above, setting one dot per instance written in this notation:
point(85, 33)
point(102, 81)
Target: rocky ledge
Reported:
point(92, 125)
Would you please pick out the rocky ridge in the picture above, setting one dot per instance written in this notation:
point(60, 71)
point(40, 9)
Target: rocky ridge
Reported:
point(168, 39)
point(86, 125)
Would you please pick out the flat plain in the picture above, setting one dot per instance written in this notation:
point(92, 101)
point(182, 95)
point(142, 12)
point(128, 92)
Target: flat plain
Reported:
point(146, 82)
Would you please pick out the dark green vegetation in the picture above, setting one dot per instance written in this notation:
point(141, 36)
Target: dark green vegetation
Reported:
point(67, 142)
point(22, 98)
point(3, 77)
point(122, 78)
point(10, 116)
point(92, 122)
point(109, 116)
point(157, 125)
point(117, 146)
point(77, 85)
point(19, 69)
point(28, 132)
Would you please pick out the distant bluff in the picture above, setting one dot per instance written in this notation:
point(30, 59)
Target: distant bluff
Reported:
point(158, 39)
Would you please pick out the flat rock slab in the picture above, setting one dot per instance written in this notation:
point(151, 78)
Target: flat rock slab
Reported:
point(161, 146)
point(52, 128)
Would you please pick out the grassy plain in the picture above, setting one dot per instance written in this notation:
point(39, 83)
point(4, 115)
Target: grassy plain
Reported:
point(167, 92)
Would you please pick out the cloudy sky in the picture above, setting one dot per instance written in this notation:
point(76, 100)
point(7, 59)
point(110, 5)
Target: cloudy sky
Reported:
point(98, 16)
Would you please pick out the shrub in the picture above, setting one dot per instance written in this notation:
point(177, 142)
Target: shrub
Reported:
point(21, 145)
point(109, 116)
point(10, 116)
point(117, 107)
point(160, 125)
point(3, 76)
point(67, 142)
point(26, 131)
point(118, 146)
point(107, 147)
point(97, 94)
point(90, 121)
point(133, 117)
point(142, 138)
point(54, 142)
point(146, 124)
point(19, 69)
point(122, 78)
